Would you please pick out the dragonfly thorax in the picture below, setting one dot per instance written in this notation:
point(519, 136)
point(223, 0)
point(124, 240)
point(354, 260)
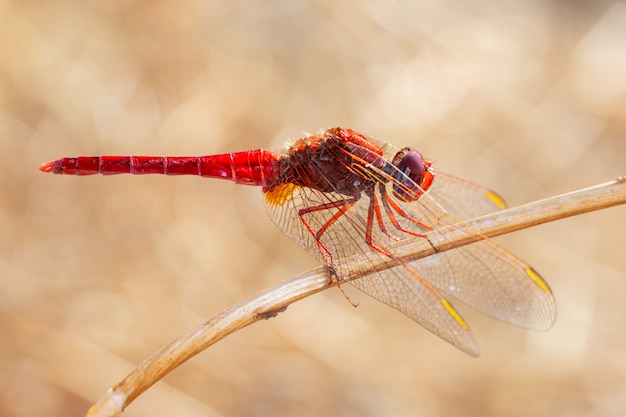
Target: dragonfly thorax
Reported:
point(340, 161)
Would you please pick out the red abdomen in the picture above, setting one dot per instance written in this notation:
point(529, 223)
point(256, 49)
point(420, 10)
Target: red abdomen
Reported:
point(258, 167)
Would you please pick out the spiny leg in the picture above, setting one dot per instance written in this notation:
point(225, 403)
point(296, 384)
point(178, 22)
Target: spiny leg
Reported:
point(379, 218)
point(389, 203)
point(374, 210)
point(343, 206)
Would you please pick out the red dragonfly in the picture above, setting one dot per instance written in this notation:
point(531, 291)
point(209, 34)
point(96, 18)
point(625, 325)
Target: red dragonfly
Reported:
point(340, 193)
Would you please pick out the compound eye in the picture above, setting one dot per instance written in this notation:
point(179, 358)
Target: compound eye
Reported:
point(412, 165)
point(409, 175)
point(412, 174)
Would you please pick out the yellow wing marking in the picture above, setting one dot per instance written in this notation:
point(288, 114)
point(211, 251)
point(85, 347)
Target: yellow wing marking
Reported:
point(496, 199)
point(454, 313)
point(536, 278)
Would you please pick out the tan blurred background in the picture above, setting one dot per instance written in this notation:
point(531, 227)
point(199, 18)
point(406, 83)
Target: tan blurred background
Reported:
point(525, 97)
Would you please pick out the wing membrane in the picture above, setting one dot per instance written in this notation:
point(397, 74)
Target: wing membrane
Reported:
point(483, 275)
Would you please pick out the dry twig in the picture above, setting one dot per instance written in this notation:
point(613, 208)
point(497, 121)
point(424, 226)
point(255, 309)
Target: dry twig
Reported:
point(268, 303)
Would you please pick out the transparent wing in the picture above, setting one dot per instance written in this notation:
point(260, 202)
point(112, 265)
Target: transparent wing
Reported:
point(494, 281)
point(483, 275)
point(462, 199)
point(405, 289)
point(401, 287)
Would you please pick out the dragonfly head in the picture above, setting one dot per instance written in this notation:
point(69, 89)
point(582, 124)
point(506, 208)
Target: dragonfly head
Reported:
point(413, 175)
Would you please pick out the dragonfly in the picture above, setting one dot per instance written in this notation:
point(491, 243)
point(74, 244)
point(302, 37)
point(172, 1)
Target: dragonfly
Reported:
point(346, 197)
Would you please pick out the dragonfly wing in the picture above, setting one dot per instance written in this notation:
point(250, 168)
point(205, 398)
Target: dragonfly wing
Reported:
point(404, 289)
point(401, 287)
point(483, 275)
point(462, 199)
point(344, 239)
point(492, 280)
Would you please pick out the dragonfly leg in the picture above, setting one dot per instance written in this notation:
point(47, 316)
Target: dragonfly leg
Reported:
point(435, 248)
point(374, 210)
point(389, 203)
point(343, 206)
point(355, 305)
point(332, 274)
point(379, 219)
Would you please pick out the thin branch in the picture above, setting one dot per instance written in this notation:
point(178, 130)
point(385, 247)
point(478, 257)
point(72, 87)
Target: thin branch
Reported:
point(269, 303)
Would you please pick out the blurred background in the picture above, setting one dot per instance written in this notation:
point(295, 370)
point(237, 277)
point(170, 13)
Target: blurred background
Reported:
point(525, 97)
